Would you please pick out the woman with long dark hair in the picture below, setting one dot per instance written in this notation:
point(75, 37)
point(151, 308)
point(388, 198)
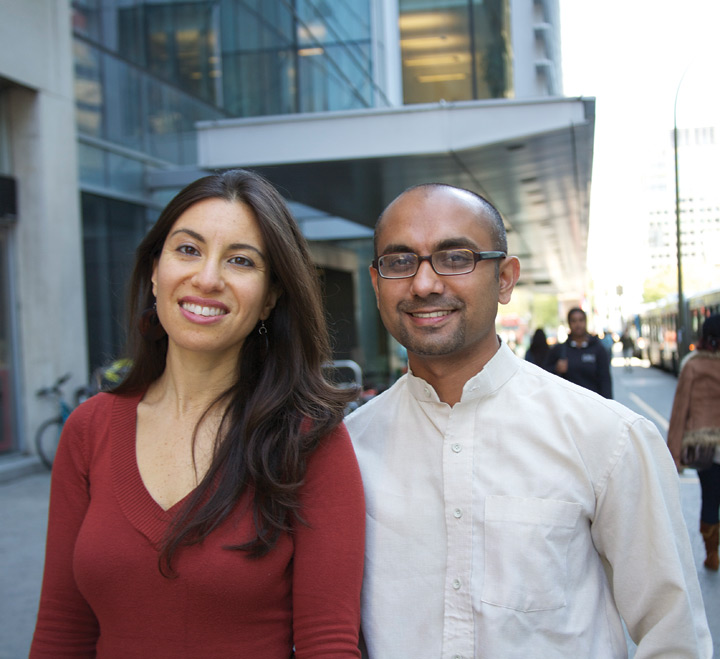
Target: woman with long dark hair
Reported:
point(695, 421)
point(211, 505)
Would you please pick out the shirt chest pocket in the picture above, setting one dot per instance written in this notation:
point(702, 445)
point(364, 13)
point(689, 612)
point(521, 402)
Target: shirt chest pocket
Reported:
point(526, 548)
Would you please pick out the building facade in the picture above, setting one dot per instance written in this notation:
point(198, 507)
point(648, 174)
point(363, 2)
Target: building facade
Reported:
point(698, 164)
point(102, 125)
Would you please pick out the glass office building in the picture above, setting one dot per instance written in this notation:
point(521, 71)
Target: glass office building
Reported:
point(147, 70)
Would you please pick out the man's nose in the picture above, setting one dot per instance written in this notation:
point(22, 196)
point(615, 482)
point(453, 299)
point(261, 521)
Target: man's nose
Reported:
point(426, 280)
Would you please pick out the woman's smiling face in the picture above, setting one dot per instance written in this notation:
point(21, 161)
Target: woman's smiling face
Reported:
point(212, 279)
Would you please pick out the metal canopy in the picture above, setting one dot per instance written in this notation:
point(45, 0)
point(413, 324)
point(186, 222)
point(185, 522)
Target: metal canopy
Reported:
point(533, 160)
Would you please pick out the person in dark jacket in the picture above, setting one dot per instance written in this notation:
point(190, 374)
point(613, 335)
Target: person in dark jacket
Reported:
point(582, 359)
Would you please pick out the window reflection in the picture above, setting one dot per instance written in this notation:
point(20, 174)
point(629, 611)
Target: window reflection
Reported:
point(88, 89)
point(454, 51)
point(111, 232)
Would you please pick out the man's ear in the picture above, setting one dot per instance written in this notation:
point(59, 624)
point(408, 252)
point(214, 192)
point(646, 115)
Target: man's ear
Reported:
point(508, 277)
point(374, 278)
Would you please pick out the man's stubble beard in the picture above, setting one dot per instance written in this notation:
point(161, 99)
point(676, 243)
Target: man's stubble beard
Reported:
point(427, 347)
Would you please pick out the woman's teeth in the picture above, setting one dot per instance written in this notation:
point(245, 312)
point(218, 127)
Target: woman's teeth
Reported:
point(203, 311)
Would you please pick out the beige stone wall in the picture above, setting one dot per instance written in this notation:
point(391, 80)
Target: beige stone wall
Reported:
point(46, 241)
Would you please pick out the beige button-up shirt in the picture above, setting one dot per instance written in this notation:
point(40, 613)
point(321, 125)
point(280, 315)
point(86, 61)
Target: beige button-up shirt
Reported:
point(522, 522)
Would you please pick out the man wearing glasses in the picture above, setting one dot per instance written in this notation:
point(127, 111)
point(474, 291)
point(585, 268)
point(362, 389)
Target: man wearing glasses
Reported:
point(509, 513)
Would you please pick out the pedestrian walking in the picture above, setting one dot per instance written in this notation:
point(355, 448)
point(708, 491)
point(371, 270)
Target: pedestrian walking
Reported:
point(695, 426)
point(582, 359)
point(628, 347)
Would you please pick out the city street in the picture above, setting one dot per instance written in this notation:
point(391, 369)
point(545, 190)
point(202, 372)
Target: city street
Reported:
point(23, 515)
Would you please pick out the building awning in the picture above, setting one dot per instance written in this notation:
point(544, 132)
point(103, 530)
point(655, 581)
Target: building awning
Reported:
point(532, 159)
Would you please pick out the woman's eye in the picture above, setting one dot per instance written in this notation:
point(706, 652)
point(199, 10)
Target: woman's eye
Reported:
point(243, 261)
point(187, 249)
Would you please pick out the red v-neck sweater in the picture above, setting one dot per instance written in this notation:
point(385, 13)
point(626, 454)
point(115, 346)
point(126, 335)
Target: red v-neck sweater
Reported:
point(103, 595)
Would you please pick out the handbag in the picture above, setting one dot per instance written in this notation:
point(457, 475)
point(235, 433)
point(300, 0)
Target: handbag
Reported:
point(697, 456)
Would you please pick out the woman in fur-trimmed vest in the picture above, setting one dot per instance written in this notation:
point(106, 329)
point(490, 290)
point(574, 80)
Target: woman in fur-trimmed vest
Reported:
point(696, 419)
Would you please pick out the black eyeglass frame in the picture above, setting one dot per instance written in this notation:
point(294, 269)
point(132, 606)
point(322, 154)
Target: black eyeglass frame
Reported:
point(478, 256)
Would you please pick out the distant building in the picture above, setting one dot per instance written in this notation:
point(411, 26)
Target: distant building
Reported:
point(698, 167)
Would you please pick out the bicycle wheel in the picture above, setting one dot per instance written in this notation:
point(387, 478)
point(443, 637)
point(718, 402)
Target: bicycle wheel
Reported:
point(46, 440)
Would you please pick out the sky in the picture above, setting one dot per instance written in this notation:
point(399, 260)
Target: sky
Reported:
point(633, 56)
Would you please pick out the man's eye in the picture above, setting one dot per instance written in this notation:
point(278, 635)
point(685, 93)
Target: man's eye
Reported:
point(399, 261)
point(455, 258)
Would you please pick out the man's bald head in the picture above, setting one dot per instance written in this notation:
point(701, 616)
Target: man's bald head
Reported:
point(486, 211)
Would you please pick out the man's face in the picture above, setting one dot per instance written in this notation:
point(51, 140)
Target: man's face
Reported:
point(436, 316)
point(578, 324)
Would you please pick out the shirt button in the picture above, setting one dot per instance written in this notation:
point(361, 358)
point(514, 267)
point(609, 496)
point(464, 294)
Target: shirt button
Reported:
point(458, 656)
point(456, 448)
point(458, 513)
point(427, 391)
point(456, 584)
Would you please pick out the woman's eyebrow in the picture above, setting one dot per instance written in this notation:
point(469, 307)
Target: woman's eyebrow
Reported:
point(189, 232)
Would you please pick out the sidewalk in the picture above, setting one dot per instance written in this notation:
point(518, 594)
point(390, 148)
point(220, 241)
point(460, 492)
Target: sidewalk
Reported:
point(23, 518)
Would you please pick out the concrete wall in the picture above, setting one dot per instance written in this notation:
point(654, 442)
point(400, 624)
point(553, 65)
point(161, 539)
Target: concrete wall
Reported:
point(528, 48)
point(49, 309)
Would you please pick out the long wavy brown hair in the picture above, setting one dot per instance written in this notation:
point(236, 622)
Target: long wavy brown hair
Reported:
point(280, 405)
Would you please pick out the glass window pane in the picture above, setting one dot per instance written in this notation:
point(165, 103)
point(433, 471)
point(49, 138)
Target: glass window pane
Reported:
point(183, 46)
point(111, 231)
point(124, 117)
point(258, 75)
point(126, 33)
point(163, 122)
point(92, 165)
point(86, 18)
point(435, 49)
point(125, 174)
point(89, 98)
point(492, 48)
point(259, 83)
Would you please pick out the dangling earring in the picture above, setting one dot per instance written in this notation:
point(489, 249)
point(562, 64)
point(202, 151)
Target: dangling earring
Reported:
point(150, 327)
point(262, 331)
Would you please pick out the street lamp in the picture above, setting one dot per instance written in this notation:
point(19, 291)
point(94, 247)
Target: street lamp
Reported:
point(682, 328)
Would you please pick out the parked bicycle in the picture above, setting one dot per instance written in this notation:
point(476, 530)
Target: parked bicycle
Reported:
point(47, 436)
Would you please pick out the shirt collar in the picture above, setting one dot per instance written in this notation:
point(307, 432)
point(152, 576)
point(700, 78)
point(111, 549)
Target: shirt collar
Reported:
point(501, 367)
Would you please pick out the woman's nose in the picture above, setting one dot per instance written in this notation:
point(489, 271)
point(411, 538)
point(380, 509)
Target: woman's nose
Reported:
point(209, 277)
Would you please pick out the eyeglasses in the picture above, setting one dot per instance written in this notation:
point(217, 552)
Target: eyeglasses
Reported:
point(402, 265)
